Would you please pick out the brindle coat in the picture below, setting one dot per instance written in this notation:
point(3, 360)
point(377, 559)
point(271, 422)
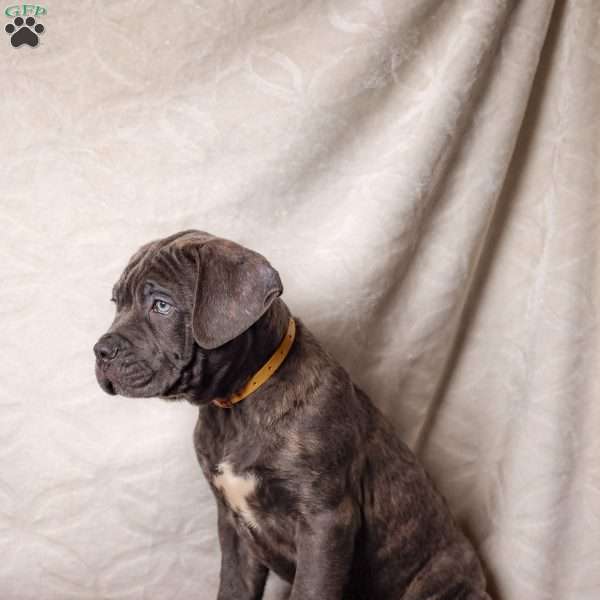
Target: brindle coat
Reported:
point(310, 480)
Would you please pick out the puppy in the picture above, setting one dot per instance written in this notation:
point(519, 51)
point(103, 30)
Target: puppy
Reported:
point(310, 480)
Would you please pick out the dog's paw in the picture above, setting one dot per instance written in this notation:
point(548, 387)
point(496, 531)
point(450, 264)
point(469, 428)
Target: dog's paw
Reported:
point(24, 32)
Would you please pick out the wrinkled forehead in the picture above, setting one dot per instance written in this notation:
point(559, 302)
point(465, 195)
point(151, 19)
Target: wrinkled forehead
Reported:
point(164, 263)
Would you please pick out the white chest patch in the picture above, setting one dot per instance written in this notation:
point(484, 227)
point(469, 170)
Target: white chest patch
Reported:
point(237, 489)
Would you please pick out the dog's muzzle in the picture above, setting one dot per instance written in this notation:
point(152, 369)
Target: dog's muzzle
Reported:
point(117, 369)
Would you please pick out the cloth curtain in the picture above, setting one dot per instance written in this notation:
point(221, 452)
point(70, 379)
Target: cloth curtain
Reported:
point(423, 174)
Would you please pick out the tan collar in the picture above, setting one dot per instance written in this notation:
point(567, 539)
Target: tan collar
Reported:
point(265, 372)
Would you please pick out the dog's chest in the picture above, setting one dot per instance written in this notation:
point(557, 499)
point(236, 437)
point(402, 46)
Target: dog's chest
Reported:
point(238, 489)
point(252, 480)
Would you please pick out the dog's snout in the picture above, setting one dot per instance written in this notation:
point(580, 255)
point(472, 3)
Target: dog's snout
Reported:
point(107, 347)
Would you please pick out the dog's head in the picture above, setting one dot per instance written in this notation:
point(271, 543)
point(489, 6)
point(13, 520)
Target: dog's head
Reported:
point(180, 301)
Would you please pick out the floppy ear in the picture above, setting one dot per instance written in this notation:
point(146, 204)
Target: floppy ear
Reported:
point(234, 288)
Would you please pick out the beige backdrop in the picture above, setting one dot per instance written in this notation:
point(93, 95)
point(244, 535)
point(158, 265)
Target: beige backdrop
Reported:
point(424, 175)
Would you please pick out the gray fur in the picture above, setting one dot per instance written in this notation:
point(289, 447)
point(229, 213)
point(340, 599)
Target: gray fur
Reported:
point(328, 497)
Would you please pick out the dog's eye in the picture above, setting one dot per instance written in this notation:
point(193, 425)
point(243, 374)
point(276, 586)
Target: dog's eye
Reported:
point(162, 307)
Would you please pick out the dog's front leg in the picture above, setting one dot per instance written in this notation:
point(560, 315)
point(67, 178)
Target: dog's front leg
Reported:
point(324, 549)
point(242, 576)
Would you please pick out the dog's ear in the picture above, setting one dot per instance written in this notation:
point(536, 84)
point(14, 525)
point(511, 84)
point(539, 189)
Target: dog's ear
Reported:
point(234, 288)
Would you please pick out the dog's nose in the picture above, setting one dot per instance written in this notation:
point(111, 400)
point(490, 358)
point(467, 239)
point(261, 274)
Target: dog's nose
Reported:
point(107, 347)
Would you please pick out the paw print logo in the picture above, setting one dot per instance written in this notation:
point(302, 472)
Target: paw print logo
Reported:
point(24, 32)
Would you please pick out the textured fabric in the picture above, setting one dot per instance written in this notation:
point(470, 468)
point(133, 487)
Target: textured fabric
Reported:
point(424, 176)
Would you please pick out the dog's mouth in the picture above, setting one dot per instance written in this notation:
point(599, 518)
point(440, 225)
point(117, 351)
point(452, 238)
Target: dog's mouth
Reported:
point(127, 378)
point(107, 385)
point(103, 381)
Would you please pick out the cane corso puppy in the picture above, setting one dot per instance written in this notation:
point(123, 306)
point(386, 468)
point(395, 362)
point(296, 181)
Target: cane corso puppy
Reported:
point(310, 480)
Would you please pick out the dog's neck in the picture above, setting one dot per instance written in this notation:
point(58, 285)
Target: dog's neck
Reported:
point(225, 370)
